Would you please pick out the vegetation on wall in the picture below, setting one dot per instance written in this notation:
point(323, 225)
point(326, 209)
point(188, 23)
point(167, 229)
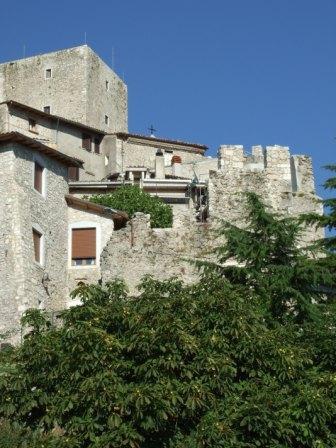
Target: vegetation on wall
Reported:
point(132, 199)
point(244, 358)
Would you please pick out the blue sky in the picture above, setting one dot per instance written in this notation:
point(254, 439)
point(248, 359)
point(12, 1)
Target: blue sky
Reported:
point(216, 72)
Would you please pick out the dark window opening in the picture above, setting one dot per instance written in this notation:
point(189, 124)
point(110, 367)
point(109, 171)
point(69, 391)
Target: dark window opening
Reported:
point(32, 125)
point(46, 109)
point(38, 177)
point(97, 141)
point(73, 173)
point(86, 142)
point(48, 73)
point(37, 245)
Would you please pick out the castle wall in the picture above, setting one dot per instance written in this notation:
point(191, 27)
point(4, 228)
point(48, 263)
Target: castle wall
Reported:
point(137, 250)
point(28, 283)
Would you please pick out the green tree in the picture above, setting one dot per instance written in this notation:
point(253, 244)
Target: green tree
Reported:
point(132, 199)
point(266, 257)
point(328, 219)
point(179, 366)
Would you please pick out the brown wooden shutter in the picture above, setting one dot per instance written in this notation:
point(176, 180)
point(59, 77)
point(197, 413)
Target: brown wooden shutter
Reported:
point(83, 243)
point(38, 176)
point(73, 173)
point(86, 142)
point(37, 245)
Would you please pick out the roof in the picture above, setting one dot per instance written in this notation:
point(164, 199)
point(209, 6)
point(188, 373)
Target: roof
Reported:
point(125, 135)
point(53, 117)
point(17, 137)
point(116, 215)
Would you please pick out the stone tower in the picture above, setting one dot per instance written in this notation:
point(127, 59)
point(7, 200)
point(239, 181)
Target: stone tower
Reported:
point(75, 84)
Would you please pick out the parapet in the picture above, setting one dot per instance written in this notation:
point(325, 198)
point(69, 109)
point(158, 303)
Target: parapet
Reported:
point(275, 161)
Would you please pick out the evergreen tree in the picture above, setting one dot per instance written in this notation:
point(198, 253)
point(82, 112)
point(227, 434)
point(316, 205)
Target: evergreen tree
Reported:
point(266, 257)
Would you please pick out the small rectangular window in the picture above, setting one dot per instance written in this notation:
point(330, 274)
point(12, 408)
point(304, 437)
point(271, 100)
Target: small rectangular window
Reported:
point(97, 145)
point(47, 109)
point(107, 85)
point(32, 126)
point(37, 239)
point(86, 142)
point(107, 120)
point(48, 73)
point(83, 246)
point(38, 177)
point(73, 173)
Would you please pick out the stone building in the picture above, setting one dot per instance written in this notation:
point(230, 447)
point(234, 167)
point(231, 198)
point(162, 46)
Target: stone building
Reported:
point(64, 135)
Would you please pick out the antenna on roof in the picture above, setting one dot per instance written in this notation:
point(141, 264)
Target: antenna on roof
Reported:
point(85, 37)
point(152, 130)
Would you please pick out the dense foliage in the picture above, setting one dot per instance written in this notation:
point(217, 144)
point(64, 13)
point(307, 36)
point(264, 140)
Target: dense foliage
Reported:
point(215, 364)
point(268, 257)
point(328, 219)
point(132, 199)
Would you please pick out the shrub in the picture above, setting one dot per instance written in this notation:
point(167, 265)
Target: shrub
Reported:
point(132, 199)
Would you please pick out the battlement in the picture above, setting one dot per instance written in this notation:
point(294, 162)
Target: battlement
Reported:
point(275, 161)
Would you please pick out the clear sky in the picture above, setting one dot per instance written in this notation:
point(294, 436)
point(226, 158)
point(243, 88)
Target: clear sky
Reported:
point(215, 72)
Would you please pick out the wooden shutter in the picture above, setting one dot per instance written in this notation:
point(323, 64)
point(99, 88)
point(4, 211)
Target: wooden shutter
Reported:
point(86, 142)
point(37, 245)
point(38, 177)
point(83, 243)
point(73, 173)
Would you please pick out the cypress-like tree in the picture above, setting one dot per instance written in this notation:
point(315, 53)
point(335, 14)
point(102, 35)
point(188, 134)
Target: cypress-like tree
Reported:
point(266, 257)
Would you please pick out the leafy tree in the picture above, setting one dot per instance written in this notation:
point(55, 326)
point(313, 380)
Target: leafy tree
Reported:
point(267, 258)
point(178, 366)
point(132, 199)
point(328, 219)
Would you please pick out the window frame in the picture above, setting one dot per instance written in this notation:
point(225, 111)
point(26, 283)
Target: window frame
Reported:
point(86, 136)
point(38, 160)
point(48, 70)
point(84, 225)
point(47, 107)
point(32, 125)
point(37, 229)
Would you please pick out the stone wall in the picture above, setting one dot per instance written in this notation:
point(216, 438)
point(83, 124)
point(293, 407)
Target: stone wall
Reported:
point(137, 250)
point(28, 283)
point(76, 90)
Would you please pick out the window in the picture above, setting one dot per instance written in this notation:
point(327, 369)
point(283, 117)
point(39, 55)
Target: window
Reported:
point(48, 73)
point(37, 240)
point(32, 126)
point(86, 142)
point(73, 173)
point(46, 109)
point(107, 85)
point(83, 251)
point(107, 120)
point(38, 177)
point(97, 145)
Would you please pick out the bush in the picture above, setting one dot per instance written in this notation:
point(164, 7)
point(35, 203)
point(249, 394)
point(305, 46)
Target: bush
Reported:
point(132, 199)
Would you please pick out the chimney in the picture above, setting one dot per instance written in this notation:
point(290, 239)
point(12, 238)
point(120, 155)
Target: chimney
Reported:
point(159, 165)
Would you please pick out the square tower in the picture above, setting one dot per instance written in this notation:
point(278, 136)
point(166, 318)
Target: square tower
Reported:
point(75, 84)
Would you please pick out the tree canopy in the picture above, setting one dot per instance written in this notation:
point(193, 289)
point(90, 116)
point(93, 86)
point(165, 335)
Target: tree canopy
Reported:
point(231, 361)
point(132, 199)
